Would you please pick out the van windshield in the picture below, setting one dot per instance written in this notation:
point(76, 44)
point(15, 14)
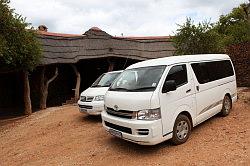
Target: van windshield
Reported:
point(138, 79)
point(105, 80)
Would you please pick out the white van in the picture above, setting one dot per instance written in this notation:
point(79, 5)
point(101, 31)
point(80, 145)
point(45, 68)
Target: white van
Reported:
point(91, 100)
point(160, 99)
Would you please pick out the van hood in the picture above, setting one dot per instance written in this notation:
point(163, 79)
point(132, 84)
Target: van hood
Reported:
point(95, 91)
point(131, 101)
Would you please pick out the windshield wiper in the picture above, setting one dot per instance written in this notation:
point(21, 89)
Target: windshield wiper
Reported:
point(143, 88)
point(119, 89)
point(96, 86)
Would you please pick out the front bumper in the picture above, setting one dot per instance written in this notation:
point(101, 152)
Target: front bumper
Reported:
point(91, 108)
point(154, 129)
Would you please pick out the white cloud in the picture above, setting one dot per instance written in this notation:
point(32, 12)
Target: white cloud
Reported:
point(130, 17)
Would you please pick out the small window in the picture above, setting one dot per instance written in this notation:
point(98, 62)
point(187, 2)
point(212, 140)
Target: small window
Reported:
point(178, 74)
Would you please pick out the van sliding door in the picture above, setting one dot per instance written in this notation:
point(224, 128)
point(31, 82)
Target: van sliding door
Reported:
point(180, 99)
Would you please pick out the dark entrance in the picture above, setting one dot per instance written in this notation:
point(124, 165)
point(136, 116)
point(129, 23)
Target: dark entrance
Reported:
point(11, 94)
point(60, 90)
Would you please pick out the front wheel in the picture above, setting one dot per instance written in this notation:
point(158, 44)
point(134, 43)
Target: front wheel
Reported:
point(182, 130)
point(226, 107)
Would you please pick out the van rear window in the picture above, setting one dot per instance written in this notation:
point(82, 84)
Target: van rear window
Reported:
point(211, 71)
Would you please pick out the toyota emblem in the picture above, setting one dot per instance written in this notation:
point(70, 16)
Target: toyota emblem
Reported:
point(116, 107)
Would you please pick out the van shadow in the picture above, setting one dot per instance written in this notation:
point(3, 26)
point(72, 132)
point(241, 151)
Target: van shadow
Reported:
point(128, 147)
point(91, 118)
point(207, 123)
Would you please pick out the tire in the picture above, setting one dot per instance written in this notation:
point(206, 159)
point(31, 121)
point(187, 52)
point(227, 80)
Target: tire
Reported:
point(227, 106)
point(182, 130)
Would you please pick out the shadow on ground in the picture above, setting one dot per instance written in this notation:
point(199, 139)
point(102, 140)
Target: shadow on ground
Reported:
point(10, 115)
point(91, 118)
point(129, 147)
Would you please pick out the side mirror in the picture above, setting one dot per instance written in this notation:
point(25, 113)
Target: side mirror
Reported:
point(169, 86)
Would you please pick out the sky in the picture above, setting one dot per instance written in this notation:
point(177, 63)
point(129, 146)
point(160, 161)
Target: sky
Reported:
point(116, 17)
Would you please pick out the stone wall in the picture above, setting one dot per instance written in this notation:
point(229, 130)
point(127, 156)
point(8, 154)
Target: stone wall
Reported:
point(240, 55)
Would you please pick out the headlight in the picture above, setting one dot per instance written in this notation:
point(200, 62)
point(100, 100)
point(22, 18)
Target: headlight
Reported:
point(99, 98)
point(150, 114)
point(83, 98)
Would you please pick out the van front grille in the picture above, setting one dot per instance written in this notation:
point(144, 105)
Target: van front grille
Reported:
point(121, 113)
point(119, 128)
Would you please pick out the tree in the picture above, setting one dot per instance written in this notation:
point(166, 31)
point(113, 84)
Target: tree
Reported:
point(196, 39)
point(19, 47)
point(235, 26)
point(44, 86)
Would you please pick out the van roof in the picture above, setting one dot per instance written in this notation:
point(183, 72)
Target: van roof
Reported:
point(179, 59)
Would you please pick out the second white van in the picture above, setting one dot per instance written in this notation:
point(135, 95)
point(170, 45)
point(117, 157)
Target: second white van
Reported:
point(92, 99)
point(160, 99)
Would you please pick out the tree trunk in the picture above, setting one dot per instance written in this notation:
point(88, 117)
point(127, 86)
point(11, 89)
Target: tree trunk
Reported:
point(43, 100)
point(26, 94)
point(43, 90)
point(78, 82)
point(111, 65)
point(44, 86)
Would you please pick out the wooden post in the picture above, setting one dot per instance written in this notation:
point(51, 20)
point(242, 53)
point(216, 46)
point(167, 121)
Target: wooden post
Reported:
point(44, 86)
point(43, 92)
point(26, 94)
point(78, 82)
point(111, 65)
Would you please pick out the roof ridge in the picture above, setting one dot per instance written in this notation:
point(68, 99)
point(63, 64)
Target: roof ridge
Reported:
point(142, 37)
point(116, 37)
point(58, 34)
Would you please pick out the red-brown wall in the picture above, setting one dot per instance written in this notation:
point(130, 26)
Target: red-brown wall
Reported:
point(240, 55)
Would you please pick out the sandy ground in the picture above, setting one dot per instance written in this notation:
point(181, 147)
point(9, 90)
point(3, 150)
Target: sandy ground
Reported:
point(63, 136)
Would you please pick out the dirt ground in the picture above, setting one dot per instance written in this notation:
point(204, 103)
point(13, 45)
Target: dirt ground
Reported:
point(63, 136)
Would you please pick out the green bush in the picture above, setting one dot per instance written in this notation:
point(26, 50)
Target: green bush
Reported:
point(19, 47)
point(233, 28)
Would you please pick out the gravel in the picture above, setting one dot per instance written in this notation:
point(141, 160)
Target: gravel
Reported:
point(63, 136)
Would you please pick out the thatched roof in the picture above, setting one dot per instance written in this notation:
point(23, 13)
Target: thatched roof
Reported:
point(95, 43)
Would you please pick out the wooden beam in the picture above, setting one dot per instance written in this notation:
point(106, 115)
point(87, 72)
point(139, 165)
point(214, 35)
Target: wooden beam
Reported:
point(78, 82)
point(26, 94)
point(111, 65)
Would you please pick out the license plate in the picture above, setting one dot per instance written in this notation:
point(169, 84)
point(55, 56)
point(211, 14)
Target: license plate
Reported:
point(115, 133)
point(83, 110)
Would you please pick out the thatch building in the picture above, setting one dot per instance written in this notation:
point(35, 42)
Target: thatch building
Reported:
point(89, 55)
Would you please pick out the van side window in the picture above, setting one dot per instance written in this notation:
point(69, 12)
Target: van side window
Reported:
point(211, 71)
point(201, 72)
point(178, 74)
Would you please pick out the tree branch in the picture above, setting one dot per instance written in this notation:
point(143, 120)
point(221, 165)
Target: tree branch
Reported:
point(54, 77)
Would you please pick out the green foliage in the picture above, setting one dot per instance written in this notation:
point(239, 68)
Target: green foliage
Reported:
point(233, 28)
point(196, 39)
point(19, 47)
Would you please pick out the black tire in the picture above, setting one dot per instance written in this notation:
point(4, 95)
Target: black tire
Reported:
point(180, 137)
point(227, 106)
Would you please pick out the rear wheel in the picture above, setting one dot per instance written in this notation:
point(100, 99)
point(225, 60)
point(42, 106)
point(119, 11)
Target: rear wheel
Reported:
point(226, 107)
point(182, 129)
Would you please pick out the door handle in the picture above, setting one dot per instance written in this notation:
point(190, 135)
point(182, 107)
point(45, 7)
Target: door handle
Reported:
point(197, 88)
point(189, 90)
